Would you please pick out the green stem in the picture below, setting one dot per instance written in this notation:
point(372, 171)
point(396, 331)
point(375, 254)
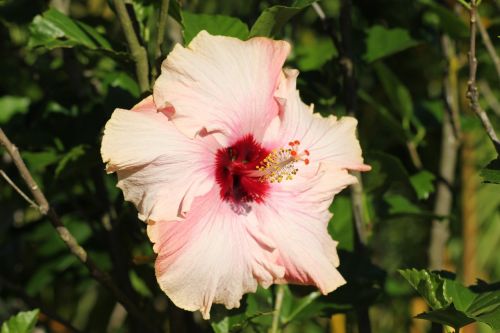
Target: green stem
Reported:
point(160, 36)
point(280, 293)
point(138, 51)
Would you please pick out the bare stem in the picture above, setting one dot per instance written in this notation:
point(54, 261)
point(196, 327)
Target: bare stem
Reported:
point(350, 96)
point(78, 251)
point(278, 303)
point(138, 51)
point(472, 91)
point(447, 162)
point(162, 23)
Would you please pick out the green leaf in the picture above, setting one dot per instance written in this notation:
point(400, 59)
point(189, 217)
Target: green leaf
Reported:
point(491, 172)
point(139, 285)
point(422, 182)
point(396, 91)
point(301, 307)
point(256, 308)
point(38, 161)
point(74, 154)
point(452, 303)
point(214, 24)
point(53, 29)
point(274, 18)
point(313, 52)
point(124, 81)
point(23, 322)
point(389, 119)
point(340, 226)
point(399, 204)
point(447, 20)
point(382, 42)
point(448, 316)
point(429, 285)
point(174, 10)
point(12, 105)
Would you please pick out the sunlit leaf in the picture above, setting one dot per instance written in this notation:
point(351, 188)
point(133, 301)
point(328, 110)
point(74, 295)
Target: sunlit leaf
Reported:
point(430, 286)
point(23, 322)
point(454, 304)
point(398, 204)
point(423, 183)
point(12, 105)
point(314, 52)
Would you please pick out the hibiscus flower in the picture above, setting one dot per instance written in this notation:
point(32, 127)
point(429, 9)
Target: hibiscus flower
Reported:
point(232, 172)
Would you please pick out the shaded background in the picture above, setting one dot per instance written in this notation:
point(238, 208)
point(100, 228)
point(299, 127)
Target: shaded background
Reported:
point(59, 87)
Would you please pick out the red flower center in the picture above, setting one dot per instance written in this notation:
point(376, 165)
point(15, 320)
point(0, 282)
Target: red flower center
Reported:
point(234, 168)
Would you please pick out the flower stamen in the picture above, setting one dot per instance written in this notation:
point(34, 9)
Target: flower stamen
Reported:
point(280, 164)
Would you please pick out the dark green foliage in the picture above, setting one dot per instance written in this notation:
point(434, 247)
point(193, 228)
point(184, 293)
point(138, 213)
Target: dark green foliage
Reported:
point(65, 68)
point(491, 172)
point(214, 24)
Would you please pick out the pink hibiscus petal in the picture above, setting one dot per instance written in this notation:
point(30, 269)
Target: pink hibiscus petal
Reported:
point(326, 139)
point(295, 218)
point(233, 173)
point(159, 169)
point(213, 256)
point(222, 84)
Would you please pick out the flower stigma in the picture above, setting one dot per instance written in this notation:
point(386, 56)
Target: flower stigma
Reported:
point(280, 164)
point(244, 169)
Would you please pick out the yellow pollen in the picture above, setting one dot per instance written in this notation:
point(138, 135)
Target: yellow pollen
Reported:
point(280, 164)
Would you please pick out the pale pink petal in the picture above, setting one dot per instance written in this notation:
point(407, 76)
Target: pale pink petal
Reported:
point(327, 139)
point(213, 256)
point(222, 84)
point(295, 218)
point(159, 169)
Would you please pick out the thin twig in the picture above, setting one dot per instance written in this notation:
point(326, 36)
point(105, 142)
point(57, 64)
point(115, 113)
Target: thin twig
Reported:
point(65, 234)
point(488, 44)
point(278, 303)
point(18, 190)
point(472, 91)
point(138, 52)
point(327, 27)
point(489, 96)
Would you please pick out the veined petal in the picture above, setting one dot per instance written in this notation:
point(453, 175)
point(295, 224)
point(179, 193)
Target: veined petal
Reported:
point(213, 256)
point(295, 218)
point(222, 84)
point(159, 169)
point(327, 139)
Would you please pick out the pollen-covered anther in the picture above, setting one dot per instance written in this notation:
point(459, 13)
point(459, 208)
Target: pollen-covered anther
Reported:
point(280, 164)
